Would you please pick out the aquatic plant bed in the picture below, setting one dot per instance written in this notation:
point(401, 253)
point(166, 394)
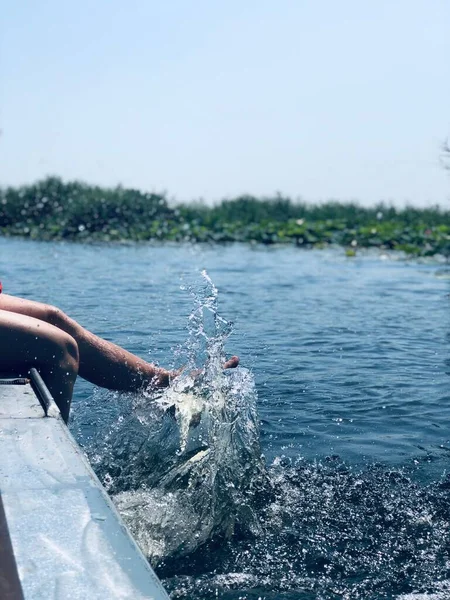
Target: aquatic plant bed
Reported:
point(54, 210)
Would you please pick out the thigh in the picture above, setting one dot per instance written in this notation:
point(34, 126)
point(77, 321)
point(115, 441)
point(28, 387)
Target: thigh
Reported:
point(22, 306)
point(26, 341)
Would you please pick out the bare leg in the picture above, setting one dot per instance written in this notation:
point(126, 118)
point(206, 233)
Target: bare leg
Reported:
point(26, 342)
point(101, 362)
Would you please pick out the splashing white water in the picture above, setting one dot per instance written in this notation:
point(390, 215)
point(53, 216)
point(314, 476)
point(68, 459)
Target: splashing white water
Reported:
point(184, 464)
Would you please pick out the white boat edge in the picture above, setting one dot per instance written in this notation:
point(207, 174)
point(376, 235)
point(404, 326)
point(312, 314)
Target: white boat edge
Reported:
point(61, 537)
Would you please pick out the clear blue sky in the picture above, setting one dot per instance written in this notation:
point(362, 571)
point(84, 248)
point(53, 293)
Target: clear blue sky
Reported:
point(203, 98)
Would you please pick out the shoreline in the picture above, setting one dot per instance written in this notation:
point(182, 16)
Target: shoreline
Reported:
point(54, 210)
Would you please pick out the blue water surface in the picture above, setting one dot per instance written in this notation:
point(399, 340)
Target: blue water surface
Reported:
point(350, 356)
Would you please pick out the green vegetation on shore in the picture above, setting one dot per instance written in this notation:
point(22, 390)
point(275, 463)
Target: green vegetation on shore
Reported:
point(54, 210)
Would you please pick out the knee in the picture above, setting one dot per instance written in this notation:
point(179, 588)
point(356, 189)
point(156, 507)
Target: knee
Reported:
point(54, 315)
point(65, 353)
point(64, 346)
point(71, 352)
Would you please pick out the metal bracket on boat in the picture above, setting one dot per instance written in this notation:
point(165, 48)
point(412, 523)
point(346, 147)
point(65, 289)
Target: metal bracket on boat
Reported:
point(43, 394)
point(14, 381)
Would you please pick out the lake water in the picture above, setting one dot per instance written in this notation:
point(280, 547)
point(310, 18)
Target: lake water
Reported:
point(348, 362)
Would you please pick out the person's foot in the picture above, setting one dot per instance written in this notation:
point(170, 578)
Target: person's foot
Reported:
point(231, 363)
point(162, 378)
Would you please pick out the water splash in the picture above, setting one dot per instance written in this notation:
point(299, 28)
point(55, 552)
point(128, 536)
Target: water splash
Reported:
point(328, 532)
point(184, 467)
point(184, 464)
